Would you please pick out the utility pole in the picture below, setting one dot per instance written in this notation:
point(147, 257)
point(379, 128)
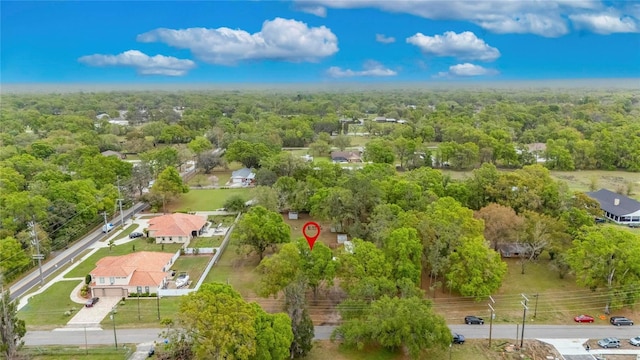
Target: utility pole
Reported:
point(36, 243)
point(113, 317)
point(104, 215)
point(535, 310)
point(524, 316)
point(120, 202)
point(493, 314)
point(121, 214)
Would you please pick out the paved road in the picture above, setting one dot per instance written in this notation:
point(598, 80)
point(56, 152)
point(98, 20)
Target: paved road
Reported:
point(97, 337)
point(94, 337)
point(33, 279)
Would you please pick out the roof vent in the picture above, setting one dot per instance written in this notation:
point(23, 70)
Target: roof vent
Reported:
point(616, 202)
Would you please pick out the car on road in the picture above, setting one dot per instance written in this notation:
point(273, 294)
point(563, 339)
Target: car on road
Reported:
point(469, 320)
point(108, 227)
point(92, 301)
point(583, 319)
point(610, 342)
point(135, 234)
point(620, 320)
point(635, 341)
point(458, 338)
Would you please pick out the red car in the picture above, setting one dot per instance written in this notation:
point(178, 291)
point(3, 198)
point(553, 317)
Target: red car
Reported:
point(583, 319)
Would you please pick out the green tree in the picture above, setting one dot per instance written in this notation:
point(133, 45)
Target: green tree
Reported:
point(260, 228)
point(273, 335)
point(235, 203)
point(12, 329)
point(169, 183)
point(409, 324)
point(247, 153)
point(476, 270)
point(13, 260)
point(379, 151)
point(219, 322)
point(403, 249)
point(342, 142)
point(607, 257)
point(199, 145)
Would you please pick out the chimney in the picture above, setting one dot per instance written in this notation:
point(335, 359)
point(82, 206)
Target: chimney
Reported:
point(616, 202)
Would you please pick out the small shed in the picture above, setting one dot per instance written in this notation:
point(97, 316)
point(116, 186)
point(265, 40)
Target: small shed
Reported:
point(293, 215)
point(341, 238)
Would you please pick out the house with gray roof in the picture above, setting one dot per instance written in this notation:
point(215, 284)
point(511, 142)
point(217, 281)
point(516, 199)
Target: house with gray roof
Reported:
point(243, 177)
point(616, 207)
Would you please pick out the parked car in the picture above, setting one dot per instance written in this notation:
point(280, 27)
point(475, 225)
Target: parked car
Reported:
point(182, 280)
point(609, 343)
point(473, 320)
point(135, 234)
point(635, 341)
point(583, 319)
point(620, 320)
point(458, 338)
point(92, 301)
point(634, 225)
point(600, 220)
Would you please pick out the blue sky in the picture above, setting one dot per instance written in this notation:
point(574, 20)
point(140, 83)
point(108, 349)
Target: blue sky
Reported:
point(311, 41)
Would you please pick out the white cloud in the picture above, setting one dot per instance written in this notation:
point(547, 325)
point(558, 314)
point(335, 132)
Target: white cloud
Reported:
point(604, 23)
point(381, 38)
point(279, 39)
point(464, 46)
point(316, 10)
point(143, 63)
point(546, 18)
point(467, 70)
point(370, 68)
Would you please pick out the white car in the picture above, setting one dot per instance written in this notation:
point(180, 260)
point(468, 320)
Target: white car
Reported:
point(635, 341)
point(182, 280)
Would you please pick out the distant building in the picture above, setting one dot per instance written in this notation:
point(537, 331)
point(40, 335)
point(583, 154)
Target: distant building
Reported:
point(345, 157)
point(244, 177)
point(113, 153)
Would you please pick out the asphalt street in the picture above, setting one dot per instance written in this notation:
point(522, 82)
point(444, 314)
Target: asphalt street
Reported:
point(33, 278)
point(106, 336)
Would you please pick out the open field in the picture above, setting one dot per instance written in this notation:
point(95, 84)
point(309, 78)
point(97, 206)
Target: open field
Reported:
point(235, 269)
point(583, 180)
point(78, 352)
point(206, 199)
point(127, 314)
point(140, 244)
point(46, 310)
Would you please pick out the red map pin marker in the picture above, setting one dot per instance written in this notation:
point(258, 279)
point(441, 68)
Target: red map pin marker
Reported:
point(311, 239)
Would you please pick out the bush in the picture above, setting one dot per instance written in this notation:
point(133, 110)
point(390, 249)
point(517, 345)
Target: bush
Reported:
point(153, 295)
point(67, 313)
point(87, 279)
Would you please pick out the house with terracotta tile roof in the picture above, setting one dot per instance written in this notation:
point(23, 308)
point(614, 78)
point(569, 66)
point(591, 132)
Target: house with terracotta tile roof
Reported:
point(144, 272)
point(176, 228)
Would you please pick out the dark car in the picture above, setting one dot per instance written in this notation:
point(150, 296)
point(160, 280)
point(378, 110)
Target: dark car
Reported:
point(473, 320)
point(600, 220)
point(458, 338)
point(135, 234)
point(91, 302)
point(151, 352)
point(620, 320)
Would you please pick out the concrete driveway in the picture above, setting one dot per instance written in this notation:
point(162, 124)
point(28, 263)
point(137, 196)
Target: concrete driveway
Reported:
point(91, 317)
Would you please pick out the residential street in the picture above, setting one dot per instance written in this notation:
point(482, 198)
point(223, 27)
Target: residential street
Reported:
point(77, 336)
point(33, 278)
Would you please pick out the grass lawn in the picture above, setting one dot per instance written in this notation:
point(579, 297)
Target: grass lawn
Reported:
point(141, 244)
point(206, 242)
point(225, 220)
point(193, 265)
point(125, 233)
point(46, 310)
point(127, 314)
point(235, 269)
point(206, 200)
point(77, 352)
